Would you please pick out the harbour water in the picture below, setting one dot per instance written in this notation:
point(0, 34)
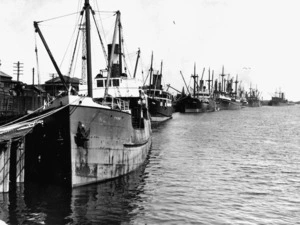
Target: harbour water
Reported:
point(226, 167)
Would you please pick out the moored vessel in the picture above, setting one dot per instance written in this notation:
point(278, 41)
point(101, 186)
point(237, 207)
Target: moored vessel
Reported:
point(80, 139)
point(196, 102)
point(226, 98)
point(253, 98)
point(159, 99)
point(279, 100)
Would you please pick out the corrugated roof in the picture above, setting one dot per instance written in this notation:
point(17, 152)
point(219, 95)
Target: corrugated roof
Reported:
point(2, 74)
point(72, 80)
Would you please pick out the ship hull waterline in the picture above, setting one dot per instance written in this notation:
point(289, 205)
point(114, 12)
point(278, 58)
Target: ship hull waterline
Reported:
point(192, 105)
point(229, 105)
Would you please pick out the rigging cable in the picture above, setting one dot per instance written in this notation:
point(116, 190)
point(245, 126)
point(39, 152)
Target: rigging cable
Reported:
point(123, 50)
point(102, 44)
point(75, 47)
point(37, 59)
point(100, 17)
point(142, 66)
point(147, 77)
point(80, 3)
point(69, 42)
point(97, 6)
point(58, 17)
point(75, 66)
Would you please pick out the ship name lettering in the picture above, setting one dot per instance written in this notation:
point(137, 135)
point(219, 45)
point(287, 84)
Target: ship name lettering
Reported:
point(94, 136)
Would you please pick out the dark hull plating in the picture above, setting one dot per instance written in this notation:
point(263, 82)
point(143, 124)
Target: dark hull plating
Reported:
point(254, 103)
point(159, 112)
point(190, 104)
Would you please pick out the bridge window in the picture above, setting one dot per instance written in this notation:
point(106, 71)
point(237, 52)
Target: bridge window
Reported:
point(116, 82)
point(99, 83)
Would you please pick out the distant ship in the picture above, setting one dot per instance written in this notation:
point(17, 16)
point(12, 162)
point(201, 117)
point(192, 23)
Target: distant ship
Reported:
point(279, 100)
point(190, 104)
point(253, 98)
point(226, 98)
point(199, 100)
point(159, 99)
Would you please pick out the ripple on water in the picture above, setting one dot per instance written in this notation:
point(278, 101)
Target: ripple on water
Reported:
point(227, 167)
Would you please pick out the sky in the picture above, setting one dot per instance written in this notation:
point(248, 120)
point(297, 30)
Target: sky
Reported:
point(258, 40)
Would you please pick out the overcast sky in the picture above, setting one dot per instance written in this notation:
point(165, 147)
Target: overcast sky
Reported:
point(257, 39)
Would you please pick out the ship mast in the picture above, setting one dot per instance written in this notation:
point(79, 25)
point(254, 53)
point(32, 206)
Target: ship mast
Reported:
point(209, 80)
point(120, 45)
point(110, 63)
point(151, 71)
point(136, 63)
point(236, 83)
point(194, 77)
point(223, 84)
point(83, 70)
point(87, 8)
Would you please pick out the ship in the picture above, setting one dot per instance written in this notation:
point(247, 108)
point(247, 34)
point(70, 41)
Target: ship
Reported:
point(212, 104)
point(253, 98)
point(197, 100)
point(80, 139)
point(226, 97)
point(279, 100)
point(159, 99)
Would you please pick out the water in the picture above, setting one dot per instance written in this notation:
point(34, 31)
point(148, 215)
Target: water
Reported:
point(227, 167)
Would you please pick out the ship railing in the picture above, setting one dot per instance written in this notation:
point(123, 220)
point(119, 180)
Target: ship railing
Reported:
point(116, 103)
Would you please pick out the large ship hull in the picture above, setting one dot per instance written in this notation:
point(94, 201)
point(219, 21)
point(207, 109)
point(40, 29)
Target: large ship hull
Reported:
point(190, 104)
point(274, 103)
point(82, 144)
point(279, 100)
point(254, 103)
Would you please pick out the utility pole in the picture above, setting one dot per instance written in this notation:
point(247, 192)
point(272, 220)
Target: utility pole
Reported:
point(18, 69)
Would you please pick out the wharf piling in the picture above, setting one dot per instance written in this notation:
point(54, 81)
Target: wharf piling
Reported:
point(12, 154)
point(4, 166)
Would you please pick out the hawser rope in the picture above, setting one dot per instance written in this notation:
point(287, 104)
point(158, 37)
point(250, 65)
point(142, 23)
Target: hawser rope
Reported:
point(36, 119)
point(25, 115)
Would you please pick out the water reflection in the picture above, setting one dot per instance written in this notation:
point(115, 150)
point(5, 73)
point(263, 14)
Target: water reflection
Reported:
point(108, 203)
point(112, 202)
point(239, 167)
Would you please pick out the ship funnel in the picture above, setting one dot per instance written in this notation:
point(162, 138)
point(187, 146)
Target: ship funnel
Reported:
point(157, 81)
point(115, 59)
